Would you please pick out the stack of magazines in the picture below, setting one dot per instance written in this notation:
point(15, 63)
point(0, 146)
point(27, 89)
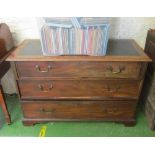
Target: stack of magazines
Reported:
point(74, 36)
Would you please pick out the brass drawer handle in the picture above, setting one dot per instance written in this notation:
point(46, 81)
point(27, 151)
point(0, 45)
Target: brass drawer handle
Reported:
point(47, 111)
point(120, 69)
point(112, 90)
point(42, 89)
point(38, 68)
point(110, 111)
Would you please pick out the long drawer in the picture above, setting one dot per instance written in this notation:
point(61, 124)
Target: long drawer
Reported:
point(79, 69)
point(78, 89)
point(79, 109)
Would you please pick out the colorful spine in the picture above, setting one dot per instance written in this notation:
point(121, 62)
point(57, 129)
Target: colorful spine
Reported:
point(61, 39)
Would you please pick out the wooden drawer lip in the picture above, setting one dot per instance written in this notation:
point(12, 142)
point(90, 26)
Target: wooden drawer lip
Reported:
point(79, 69)
point(46, 120)
point(79, 109)
point(74, 89)
point(96, 98)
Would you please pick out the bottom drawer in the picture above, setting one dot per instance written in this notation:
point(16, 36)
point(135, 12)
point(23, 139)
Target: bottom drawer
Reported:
point(79, 110)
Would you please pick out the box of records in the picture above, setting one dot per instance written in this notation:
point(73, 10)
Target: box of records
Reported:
point(74, 36)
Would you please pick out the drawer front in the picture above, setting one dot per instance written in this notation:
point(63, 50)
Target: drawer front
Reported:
point(79, 109)
point(86, 89)
point(79, 69)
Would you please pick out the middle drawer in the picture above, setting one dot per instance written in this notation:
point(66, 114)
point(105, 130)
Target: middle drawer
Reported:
point(78, 89)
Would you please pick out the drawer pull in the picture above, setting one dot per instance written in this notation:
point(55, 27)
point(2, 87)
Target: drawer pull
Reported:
point(38, 68)
point(120, 69)
point(112, 90)
point(42, 89)
point(110, 111)
point(47, 111)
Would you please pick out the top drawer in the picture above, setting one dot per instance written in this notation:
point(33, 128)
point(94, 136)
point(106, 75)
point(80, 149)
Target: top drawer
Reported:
point(79, 69)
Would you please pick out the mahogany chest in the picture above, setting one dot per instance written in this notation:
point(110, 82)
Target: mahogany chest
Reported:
point(148, 91)
point(79, 88)
point(6, 46)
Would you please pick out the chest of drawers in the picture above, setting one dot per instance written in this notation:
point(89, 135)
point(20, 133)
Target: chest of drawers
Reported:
point(79, 88)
